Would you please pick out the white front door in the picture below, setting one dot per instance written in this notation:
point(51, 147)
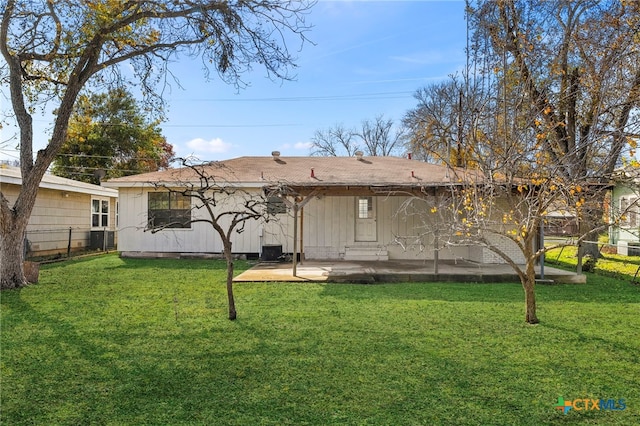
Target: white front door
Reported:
point(366, 229)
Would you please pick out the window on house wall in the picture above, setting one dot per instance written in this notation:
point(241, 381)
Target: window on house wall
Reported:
point(169, 210)
point(624, 205)
point(629, 212)
point(365, 208)
point(632, 212)
point(99, 213)
point(275, 205)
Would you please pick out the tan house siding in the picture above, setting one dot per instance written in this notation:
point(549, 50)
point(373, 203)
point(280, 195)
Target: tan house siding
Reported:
point(56, 213)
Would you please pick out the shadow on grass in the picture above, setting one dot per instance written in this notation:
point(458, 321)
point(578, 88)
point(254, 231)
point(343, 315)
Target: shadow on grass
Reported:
point(450, 292)
point(624, 351)
point(180, 264)
point(120, 372)
point(627, 260)
point(65, 354)
point(113, 262)
point(598, 290)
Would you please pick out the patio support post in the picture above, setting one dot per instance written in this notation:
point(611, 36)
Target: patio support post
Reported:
point(436, 253)
point(579, 265)
point(295, 239)
point(297, 204)
point(301, 234)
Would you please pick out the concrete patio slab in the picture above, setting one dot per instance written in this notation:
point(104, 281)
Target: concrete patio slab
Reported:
point(396, 271)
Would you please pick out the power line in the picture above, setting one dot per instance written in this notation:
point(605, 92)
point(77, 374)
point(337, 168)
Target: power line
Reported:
point(132, 157)
point(230, 125)
point(353, 97)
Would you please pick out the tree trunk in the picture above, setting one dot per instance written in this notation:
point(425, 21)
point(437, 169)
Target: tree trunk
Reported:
point(529, 286)
point(590, 245)
point(530, 303)
point(232, 304)
point(592, 219)
point(11, 255)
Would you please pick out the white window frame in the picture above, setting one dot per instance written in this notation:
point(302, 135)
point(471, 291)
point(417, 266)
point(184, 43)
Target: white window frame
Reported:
point(102, 216)
point(632, 213)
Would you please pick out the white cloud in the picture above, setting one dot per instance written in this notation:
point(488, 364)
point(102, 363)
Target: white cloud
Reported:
point(303, 145)
point(213, 146)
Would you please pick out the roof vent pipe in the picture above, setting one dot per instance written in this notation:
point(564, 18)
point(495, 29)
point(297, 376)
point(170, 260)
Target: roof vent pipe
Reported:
point(275, 154)
point(409, 155)
point(359, 155)
point(313, 175)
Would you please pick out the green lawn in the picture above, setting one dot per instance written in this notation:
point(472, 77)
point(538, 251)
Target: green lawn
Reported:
point(613, 265)
point(121, 342)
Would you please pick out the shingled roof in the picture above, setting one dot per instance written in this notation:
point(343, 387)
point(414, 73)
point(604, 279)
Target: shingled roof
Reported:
point(309, 172)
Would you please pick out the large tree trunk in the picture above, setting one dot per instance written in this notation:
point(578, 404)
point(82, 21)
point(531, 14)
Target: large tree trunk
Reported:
point(13, 228)
point(11, 254)
point(591, 227)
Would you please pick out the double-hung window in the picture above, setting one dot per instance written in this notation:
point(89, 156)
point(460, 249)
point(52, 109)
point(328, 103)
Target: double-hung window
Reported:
point(169, 210)
point(99, 213)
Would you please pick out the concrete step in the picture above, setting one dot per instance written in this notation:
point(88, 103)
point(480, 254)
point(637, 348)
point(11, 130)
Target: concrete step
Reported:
point(366, 253)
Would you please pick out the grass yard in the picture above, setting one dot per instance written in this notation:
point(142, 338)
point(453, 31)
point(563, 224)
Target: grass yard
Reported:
point(112, 341)
point(614, 265)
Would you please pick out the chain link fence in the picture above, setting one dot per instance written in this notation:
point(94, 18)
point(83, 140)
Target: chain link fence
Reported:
point(65, 242)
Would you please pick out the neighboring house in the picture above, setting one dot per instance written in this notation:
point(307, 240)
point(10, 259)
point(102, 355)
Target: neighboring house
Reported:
point(625, 210)
point(67, 216)
point(350, 209)
point(561, 222)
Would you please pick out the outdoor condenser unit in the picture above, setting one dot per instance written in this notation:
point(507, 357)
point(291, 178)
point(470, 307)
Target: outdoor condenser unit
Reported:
point(271, 252)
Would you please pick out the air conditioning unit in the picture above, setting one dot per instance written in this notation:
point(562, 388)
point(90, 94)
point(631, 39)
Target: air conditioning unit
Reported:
point(271, 252)
point(102, 240)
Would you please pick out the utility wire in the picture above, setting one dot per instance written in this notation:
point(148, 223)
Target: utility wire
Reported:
point(108, 156)
point(353, 97)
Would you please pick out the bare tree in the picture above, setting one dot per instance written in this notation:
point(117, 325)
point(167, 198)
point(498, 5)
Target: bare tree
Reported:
point(334, 142)
point(227, 208)
point(446, 125)
point(377, 137)
point(53, 50)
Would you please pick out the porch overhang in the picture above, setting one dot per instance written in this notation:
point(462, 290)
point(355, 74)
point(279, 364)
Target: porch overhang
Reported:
point(359, 190)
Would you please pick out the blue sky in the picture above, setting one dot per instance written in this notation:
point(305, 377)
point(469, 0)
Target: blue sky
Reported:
point(368, 59)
